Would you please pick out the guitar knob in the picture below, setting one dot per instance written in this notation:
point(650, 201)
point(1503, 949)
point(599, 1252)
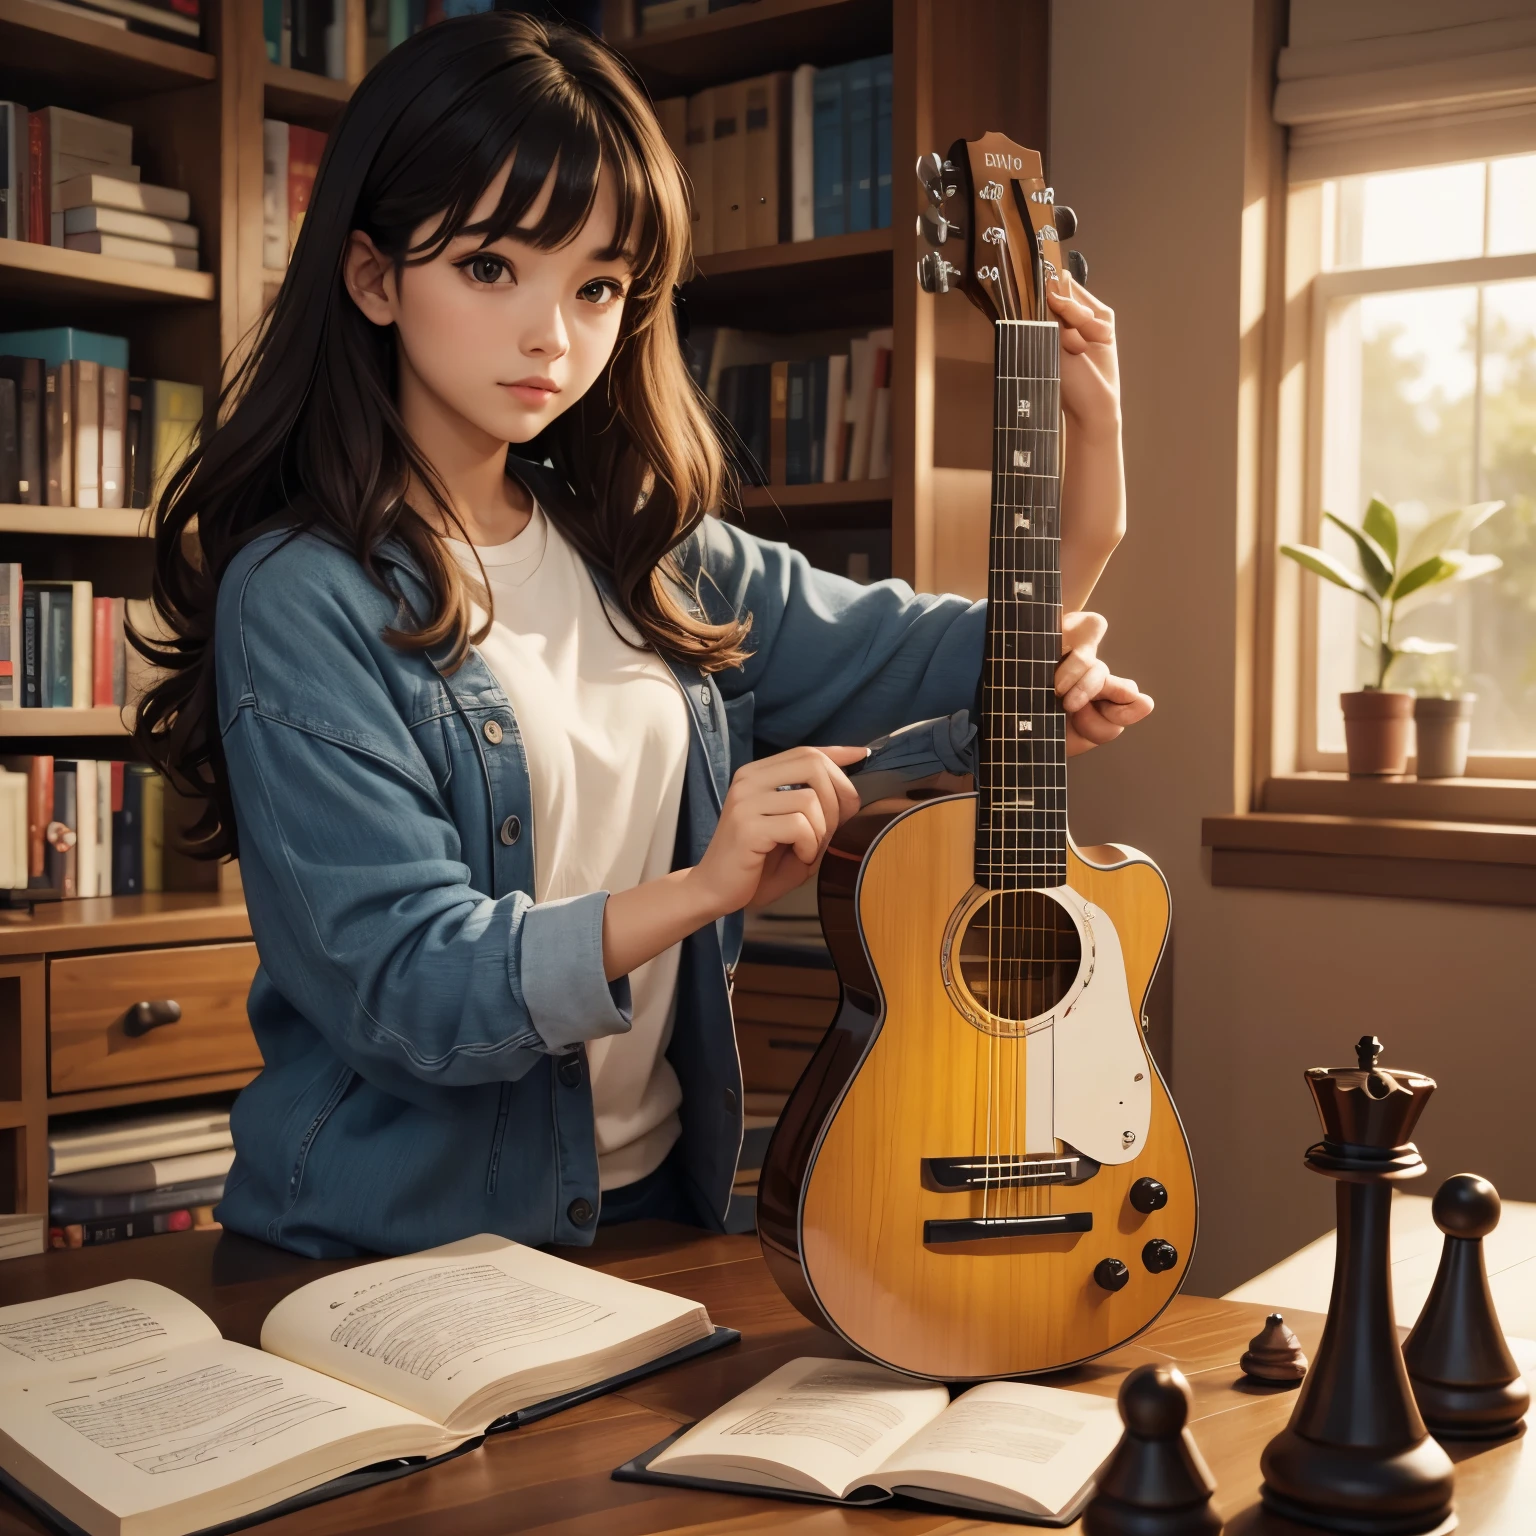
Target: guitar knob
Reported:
point(933, 227)
point(930, 172)
point(1111, 1275)
point(1065, 221)
point(1147, 1195)
point(933, 273)
point(1077, 265)
point(1159, 1255)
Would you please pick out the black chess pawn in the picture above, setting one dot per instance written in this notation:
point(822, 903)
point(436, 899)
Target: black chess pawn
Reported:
point(1274, 1356)
point(1464, 1378)
point(1156, 1483)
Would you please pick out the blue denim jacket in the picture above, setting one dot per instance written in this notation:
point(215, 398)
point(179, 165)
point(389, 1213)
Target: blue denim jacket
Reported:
point(419, 1015)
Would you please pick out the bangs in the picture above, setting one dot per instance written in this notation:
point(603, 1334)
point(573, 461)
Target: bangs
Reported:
point(568, 131)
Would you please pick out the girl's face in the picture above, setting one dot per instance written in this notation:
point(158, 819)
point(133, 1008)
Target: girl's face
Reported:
point(505, 336)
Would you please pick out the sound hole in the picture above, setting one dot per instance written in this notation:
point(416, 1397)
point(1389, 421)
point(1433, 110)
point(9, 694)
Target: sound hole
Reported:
point(1019, 955)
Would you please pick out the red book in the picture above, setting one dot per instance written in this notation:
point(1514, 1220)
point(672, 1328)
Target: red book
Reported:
point(39, 813)
point(39, 202)
point(117, 787)
point(101, 650)
point(305, 147)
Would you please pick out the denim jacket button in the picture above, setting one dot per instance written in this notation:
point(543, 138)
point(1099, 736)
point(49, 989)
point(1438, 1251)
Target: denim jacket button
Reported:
point(511, 830)
point(493, 731)
point(569, 1070)
point(580, 1211)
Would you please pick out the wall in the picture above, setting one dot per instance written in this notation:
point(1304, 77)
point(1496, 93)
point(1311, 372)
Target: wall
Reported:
point(1154, 142)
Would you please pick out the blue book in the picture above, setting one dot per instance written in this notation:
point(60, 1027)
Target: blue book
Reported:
point(883, 82)
point(859, 145)
point(64, 343)
point(272, 29)
point(128, 835)
point(797, 427)
point(827, 140)
point(59, 650)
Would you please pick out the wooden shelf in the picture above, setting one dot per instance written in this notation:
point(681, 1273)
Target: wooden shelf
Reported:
point(843, 504)
point(296, 95)
point(99, 922)
point(102, 720)
point(87, 62)
point(56, 275)
point(842, 280)
point(752, 39)
point(76, 522)
point(147, 1093)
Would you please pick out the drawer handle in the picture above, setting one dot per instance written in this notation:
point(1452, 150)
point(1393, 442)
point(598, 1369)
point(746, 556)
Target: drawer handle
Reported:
point(143, 1017)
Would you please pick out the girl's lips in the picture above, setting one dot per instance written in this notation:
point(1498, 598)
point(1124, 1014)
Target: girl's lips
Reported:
point(531, 394)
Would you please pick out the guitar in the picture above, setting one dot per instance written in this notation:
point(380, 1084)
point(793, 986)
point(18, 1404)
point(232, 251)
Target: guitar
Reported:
point(981, 1172)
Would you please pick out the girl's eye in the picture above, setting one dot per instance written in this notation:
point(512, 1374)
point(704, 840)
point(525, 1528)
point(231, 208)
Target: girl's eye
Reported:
point(485, 269)
point(602, 290)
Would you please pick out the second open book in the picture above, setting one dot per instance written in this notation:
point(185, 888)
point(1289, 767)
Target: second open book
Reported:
point(124, 1410)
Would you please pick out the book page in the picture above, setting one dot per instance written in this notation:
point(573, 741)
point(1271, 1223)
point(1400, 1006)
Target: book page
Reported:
point(823, 1426)
point(96, 1330)
point(476, 1329)
point(210, 1431)
point(1010, 1443)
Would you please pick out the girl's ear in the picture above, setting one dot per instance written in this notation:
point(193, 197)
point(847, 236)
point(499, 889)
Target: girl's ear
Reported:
point(370, 278)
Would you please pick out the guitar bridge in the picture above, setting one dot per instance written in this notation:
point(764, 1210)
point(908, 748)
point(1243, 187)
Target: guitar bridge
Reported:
point(982, 1228)
point(1012, 1170)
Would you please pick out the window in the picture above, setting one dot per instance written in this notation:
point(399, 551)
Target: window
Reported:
point(1424, 322)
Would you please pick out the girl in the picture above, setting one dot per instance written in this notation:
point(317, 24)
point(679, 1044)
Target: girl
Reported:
point(462, 655)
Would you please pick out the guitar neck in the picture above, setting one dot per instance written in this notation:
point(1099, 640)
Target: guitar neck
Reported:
point(1021, 766)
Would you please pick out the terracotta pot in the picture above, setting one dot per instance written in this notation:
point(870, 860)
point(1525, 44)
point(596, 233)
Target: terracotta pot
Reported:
point(1444, 730)
point(1376, 731)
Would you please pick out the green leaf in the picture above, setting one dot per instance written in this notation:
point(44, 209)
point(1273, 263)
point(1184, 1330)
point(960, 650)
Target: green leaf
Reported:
point(1426, 574)
point(1470, 567)
point(1374, 560)
point(1455, 565)
point(1434, 538)
point(1324, 565)
point(1414, 646)
point(1380, 522)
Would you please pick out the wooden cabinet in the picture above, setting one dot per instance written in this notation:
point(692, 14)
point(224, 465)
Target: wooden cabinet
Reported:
point(781, 1012)
point(95, 1040)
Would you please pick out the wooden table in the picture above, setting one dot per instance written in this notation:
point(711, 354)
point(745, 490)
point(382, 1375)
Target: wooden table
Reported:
point(553, 1475)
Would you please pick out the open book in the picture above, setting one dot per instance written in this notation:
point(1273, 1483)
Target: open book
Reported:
point(850, 1432)
point(123, 1410)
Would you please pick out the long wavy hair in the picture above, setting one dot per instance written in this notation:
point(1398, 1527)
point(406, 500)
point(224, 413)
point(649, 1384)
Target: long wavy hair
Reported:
point(308, 424)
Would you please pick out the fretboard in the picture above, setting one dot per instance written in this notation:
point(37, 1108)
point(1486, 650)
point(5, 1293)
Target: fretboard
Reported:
point(1021, 764)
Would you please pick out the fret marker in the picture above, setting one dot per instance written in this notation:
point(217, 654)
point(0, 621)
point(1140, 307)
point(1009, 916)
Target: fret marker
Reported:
point(1024, 409)
point(1021, 458)
point(1023, 589)
point(1026, 725)
point(1020, 521)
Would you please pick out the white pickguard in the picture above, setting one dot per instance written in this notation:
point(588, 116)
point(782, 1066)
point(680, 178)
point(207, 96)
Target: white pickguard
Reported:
point(1103, 1087)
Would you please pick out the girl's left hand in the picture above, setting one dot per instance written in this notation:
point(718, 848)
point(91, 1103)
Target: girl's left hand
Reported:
point(1098, 705)
point(1090, 368)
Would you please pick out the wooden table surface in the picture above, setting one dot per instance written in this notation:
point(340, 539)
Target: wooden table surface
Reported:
point(553, 1475)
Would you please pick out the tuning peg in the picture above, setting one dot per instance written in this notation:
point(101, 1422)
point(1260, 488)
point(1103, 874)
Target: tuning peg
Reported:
point(933, 226)
point(930, 172)
point(934, 273)
point(1065, 221)
point(1077, 265)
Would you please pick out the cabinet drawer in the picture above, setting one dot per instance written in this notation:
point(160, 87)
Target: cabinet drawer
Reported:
point(773, 1055)
point(89, 1043)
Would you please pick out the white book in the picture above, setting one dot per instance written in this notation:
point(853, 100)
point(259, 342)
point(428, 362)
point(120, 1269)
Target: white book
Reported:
point(119, 192)
point(880, 435)
point(274, 194)
point(137, 1178)
point(85, 826)
point(10, 634)
point(802, 154)
point(103, 830)
point(82, 643)
point(132, 1141)
point(136, 226)
point(837, 418)
point(835, 1428)
point(22, 1233)
point(124, 1409)
point(13, 830)
point(133, 250)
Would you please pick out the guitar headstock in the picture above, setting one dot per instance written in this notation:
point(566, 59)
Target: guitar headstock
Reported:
point(989, 197)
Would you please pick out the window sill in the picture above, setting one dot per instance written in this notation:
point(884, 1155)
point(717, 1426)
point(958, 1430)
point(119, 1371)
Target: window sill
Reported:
point(1410, 799)
point(1490, 862)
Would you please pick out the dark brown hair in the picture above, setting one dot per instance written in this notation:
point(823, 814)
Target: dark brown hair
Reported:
point(309, 422)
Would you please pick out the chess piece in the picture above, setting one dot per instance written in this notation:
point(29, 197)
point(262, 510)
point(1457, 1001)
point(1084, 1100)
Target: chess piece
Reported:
point(1275, 1356)
point(1464, 1378)
point(1355, 1456)
point(1156, 1483)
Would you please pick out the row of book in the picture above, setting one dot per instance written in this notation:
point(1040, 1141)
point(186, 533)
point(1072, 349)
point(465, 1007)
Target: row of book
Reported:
point(786, 156)
point(290, 161)
point(114, 1179)
point(69, 180)
point(72, 827)
point(812, 420)
point(62, 647)
point(307, 34)
point(77, 429)
point(172, 21)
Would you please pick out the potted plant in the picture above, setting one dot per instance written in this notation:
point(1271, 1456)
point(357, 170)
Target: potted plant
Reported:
point(1393, 581)
point(1442, 722)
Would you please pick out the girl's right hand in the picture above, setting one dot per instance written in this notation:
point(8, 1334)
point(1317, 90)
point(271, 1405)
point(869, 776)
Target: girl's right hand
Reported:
point(770, 837)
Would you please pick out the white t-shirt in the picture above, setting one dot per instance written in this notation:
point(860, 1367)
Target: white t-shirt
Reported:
point(605, 729)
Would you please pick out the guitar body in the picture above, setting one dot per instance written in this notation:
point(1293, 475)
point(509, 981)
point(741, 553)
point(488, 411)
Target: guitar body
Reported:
point(905, 1077)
